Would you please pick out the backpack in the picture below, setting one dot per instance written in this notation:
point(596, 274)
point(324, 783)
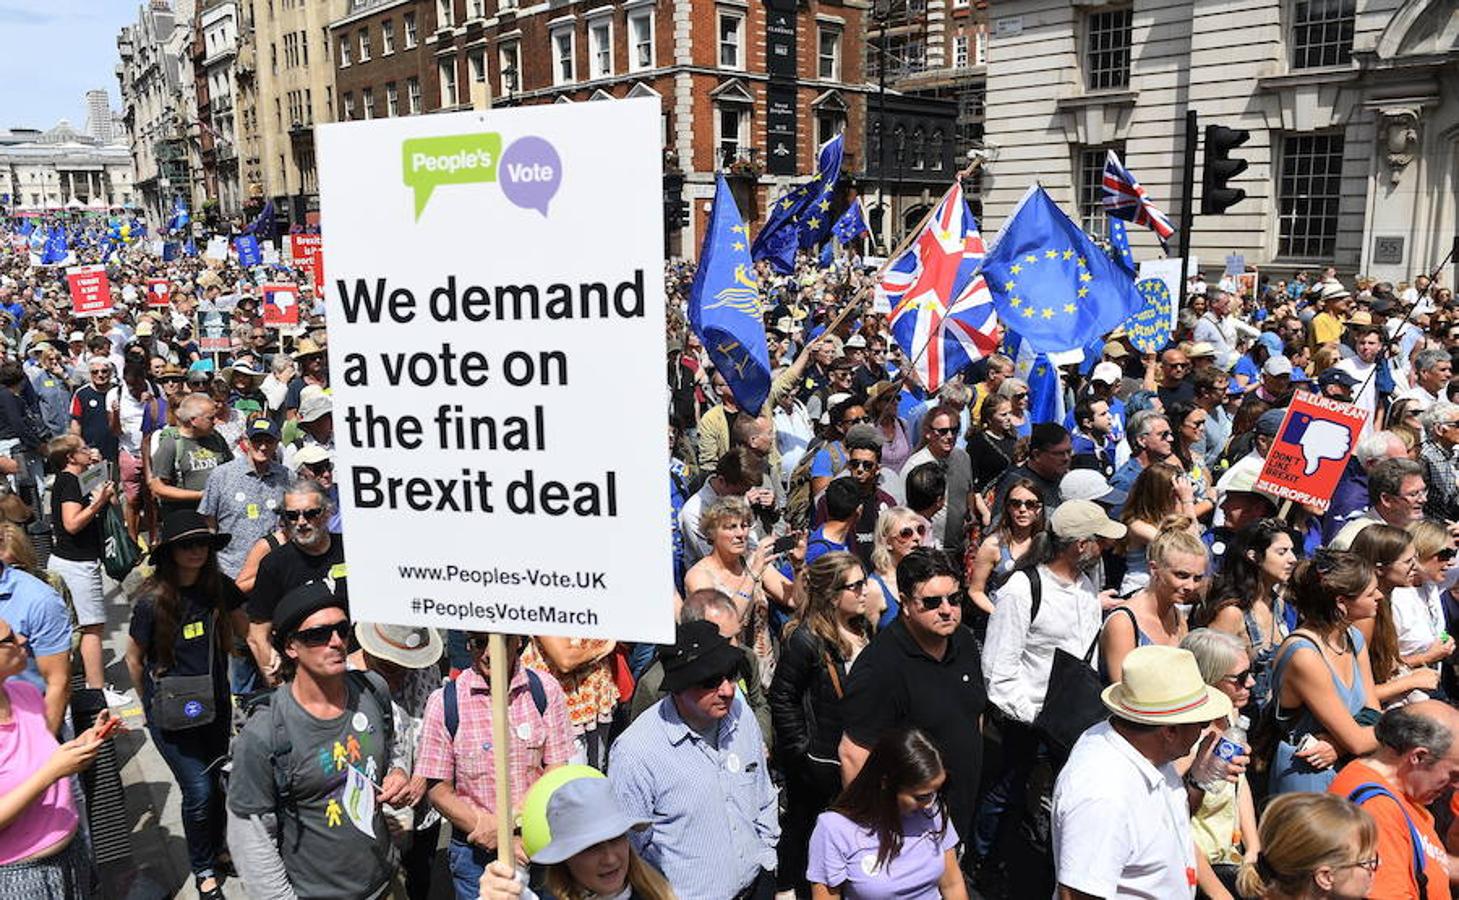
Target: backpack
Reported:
point(451, 703)
point(1370, 789)
point(798, 495)
point(281, 749)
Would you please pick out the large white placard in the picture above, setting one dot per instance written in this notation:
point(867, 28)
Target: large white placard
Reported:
point(496, 348)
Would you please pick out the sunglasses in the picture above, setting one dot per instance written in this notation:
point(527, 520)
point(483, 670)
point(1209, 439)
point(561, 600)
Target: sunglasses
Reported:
point(945, 432)
point(1025, 504)
point(309, 515)
point(319, 635)
point(935, 601)
point(713, 682)
point(1239, 678)
point(909, 530)
point(858, 420)
point(855, 586)
point(858, 465)
point(170, 379)
point(1447, 554)
point(320, 467)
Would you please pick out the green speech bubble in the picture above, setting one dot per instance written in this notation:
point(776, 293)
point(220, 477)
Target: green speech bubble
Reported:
point(453, 159)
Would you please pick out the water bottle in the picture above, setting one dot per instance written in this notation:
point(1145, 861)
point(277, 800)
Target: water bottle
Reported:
point(1232, 742)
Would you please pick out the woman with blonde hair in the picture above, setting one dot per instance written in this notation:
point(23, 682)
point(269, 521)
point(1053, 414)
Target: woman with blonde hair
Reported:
point(1418, 611)
point(1016, 390)
point(1391, 552)
point(746, 577)
point(1224, 827)
point(1314, 847)
point(821, 642)
point(1160, 491)
point(1151, 615)
point(899, 531)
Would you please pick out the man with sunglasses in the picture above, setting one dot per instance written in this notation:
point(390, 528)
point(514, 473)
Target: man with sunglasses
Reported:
point(694, 766)
point(312, 771)
point(455, 754)
point(1050, 454)
point(90, 417)
point(940, 430)
point(922, 671)
point(1149, 437)
point(1417, 760)
point(311, 554)
point(1175, 384)
point(863, 470)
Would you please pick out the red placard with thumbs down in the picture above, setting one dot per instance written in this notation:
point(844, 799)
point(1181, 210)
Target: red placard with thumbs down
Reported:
point(1311, 449)
point(280, 305)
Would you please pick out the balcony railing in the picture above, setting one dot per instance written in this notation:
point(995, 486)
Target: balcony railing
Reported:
point(740, 160)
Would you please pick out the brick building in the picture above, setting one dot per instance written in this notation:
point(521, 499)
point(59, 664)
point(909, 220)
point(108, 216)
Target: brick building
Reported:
point(747, 88)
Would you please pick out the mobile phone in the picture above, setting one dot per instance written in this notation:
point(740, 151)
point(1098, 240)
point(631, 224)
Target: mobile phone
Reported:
point(110, 727)
point(785, 543)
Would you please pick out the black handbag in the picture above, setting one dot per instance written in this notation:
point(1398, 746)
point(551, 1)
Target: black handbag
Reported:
point(181, 702)
point(1072, 703)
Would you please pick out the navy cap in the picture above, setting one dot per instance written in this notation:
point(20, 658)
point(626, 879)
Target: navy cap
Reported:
point(264, 427)
point(1271, 421)
point(1333, 376)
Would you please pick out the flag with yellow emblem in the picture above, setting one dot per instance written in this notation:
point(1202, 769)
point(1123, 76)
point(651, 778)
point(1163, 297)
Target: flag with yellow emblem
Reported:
point(724, 304)
point(1051, 283)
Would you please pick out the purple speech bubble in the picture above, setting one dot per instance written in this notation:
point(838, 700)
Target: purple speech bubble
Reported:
point(530, 173)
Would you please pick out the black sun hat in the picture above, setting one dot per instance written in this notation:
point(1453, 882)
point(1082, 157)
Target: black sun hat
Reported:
point(183, 525)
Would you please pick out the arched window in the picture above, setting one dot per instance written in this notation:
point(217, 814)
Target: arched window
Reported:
point(934, 151)
point(919, 150)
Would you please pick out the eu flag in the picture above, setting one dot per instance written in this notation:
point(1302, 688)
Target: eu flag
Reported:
point(789, 225)
point(1119, 244)
point(724, 305)
point(1050, 282)
point(249, 254)
point(180, 217)
point(57, 248)
point(1045, 386)
point(263, 225)
point(851, 224)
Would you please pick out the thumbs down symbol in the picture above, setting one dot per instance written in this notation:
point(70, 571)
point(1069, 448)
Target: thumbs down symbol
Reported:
point(1321, 440)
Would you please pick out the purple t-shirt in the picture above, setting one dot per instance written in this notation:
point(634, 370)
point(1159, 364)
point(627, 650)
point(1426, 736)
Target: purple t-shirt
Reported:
point(843, 854)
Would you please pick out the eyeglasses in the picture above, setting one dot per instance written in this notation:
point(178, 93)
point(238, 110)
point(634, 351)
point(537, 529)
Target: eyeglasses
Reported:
point(909, 530)
point(855, 586)
point(309, 515)
point(935, 601)
point(319, 635)
point(860, 465)
point(1370, 864)
point(1239, 678)
point(1025, 504)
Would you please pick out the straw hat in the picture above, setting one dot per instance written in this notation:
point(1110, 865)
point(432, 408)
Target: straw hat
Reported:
point(1163, 686)
point(406, 646)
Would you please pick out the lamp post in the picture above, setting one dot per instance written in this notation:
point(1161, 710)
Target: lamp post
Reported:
point(882, 12)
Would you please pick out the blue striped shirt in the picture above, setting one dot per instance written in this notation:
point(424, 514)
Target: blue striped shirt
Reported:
point(713, 810)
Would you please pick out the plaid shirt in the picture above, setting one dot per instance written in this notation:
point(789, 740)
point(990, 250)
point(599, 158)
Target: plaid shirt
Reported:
point(538, 743)
point(1443, 502)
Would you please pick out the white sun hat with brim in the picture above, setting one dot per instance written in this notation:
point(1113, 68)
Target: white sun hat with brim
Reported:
point(1163, 686)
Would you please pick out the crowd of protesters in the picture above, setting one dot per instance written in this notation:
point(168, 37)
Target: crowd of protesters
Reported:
point(928, 643)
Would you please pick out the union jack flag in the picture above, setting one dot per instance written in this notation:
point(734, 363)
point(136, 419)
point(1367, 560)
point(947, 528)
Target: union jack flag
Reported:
point(1124, 198)
point(941, 311)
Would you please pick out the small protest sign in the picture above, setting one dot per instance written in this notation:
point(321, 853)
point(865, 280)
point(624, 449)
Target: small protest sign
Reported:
point(1311, 449)
point(280, 305)
point(217, 249)
point(90, 290)
point(249, 253)
point(159, 293)
point(306, 252)
point(214, 329)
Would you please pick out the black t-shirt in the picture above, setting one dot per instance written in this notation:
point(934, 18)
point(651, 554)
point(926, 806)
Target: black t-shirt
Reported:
point(88, 407)
point(84, 545)
point(190, 645)
point(288, 567)
point(1183, 392)
point(894, 684)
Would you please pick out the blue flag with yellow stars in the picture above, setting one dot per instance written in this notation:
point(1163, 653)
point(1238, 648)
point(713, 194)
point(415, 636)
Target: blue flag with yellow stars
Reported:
point(724, 304)
point(851, 224)
point(1050, 282)
point(799, 213)
point(1119, 244)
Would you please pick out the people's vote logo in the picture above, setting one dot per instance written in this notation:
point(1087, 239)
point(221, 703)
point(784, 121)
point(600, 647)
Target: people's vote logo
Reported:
point(1318, 439)
point(192, 709)
point(529, 170)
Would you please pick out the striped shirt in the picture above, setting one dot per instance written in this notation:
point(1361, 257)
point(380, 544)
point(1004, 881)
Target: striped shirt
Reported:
point(713, 812)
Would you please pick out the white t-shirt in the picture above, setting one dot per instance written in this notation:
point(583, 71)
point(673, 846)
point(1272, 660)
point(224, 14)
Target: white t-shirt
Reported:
point(132, 409)
point(1121, 826)
point(1418, 618)
point(1367, 395)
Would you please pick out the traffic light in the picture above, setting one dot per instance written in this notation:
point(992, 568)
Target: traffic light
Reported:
point(1220, 168)
point(676, 209)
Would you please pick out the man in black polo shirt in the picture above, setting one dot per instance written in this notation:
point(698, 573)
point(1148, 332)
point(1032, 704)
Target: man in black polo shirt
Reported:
point(1050, 454)
point(311, 554)
point(922, 671)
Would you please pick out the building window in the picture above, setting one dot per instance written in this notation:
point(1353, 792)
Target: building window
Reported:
point(364, 45)
point(828, 59)
point(347, 109)
point(562, 53)
point(447, 69)
point(392, 100)
point(980, 48)
point(641, 33)
point(960, 51)
point(731, 29)
point(919, 150)
point(387, 38)
point(829, 123)
point(344, 51)
point(367, 102)
point(733, 134)
point(476, 63)
point(412, 95)
point(308, 106)
point(410, 32)
point(478, 9)
point(1107, 49)
point(600, 37)
point(445, 13)
point(1091, 182)
point(1308, 192)
point(934, 151)
point(1322, 33)
point(304, 46)
point(508, 59)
